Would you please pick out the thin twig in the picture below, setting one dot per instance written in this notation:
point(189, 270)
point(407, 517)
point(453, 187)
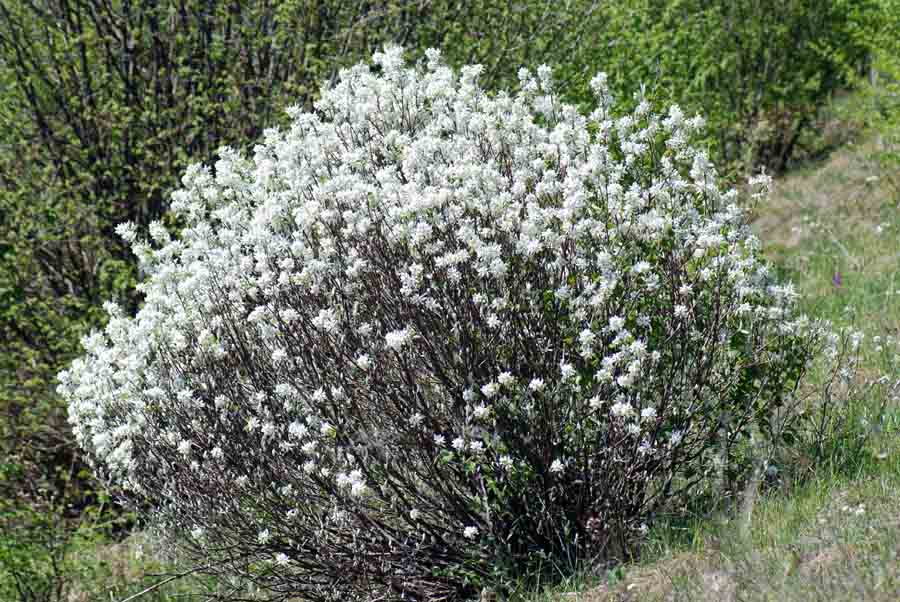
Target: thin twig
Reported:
point(161, 583)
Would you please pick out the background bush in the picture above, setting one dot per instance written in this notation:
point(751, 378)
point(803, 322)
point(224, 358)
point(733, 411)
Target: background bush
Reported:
point(428, 340)
point(759, 70)
point(881, 91)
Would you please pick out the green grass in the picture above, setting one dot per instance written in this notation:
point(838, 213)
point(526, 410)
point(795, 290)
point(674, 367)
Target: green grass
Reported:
point(81, 566)
point(835, 538)
point(836, 218)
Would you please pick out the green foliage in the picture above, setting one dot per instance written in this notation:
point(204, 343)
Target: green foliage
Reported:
point(880, 110)
point(50, 557)
point(40, 526)
point(758, 70)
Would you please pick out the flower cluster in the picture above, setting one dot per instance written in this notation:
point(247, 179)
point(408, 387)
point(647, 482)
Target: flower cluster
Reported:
point(425, 327)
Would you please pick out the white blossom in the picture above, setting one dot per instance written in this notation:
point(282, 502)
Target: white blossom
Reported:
point(622, 409)
point(396, 339)
point(536, 384)
point(363, 362)
point(506, 379)
point(480, 411)
point(490, 389)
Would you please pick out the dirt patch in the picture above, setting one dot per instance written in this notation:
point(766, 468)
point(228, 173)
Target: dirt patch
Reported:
point(825, 559)
point(657, 581)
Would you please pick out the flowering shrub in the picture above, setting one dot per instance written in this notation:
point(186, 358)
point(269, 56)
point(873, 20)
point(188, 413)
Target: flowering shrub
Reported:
point(428, 337)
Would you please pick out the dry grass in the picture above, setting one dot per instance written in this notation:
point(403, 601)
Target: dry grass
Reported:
point(848, 550)
point(839, 186)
